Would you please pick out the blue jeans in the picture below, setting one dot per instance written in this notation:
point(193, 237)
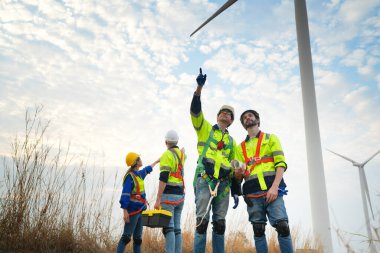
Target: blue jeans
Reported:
point(219, 206)
point(133, 227)
point(172, 233)
point(276, 212)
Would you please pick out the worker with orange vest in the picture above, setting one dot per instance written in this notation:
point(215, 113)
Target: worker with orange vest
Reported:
point(171, 191)
point(213, 175)
point(263, 166)
point(133, 201)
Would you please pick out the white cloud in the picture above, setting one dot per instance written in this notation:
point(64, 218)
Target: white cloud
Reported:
point(114, 77)
point(355, 58)
point(354, 11)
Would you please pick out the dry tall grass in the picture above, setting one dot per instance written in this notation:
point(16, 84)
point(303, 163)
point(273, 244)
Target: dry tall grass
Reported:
point(52, 203)
point(48, 203)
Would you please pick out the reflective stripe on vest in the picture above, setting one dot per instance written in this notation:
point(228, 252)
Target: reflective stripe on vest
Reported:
point(136, 193)
point(257, 160)
point(178, 173)
point(206, 145)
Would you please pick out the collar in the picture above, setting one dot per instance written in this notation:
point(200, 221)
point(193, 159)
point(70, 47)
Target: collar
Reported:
point(216, 127)
point(257, 136)
point(173, 147)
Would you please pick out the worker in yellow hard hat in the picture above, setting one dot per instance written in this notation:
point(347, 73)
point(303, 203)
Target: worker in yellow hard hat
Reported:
point(214, 175)
point(133, 201)
point(171, 190)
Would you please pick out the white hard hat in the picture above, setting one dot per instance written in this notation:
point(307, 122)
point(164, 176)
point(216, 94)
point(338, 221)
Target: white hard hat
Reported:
point(229, 108)
point(171, 136)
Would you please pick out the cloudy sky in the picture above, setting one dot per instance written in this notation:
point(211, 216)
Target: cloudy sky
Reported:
point(114, 76)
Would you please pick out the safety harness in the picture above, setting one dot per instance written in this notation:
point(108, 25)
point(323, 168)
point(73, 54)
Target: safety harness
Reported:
point(211, 181)
point(256, 159)
point(136, 196)
point(178, 174)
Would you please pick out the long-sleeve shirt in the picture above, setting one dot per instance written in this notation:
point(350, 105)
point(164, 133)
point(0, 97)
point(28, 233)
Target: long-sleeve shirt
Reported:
point(128, 186)
point(216, 162)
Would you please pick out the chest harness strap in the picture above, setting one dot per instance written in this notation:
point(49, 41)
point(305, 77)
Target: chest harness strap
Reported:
point(136, 195)
point(256, 159)
point(178, 174)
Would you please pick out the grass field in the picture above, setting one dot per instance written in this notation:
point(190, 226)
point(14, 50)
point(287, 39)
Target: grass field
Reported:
point(50, 202)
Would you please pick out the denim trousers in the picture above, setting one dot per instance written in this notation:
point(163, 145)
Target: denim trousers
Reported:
point(219, 207)
point(133, 227)
point(172, 233)
point(275, 211)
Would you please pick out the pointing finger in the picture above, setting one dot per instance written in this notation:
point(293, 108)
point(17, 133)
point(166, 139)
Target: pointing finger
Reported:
point(200, 71)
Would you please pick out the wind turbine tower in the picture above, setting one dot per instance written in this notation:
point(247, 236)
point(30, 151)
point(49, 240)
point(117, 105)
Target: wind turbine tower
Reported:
point(317, 185)
point(365, 195)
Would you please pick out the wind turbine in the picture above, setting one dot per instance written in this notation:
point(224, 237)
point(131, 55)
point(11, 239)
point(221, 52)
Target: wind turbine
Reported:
point(365, 194)
point(317, 185)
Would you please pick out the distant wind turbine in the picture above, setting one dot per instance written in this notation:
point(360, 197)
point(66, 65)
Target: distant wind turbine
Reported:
point(317, 185)
point(365, 193)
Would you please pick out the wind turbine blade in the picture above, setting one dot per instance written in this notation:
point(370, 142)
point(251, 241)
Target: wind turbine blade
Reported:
point(342, 156)
point(221, 9)
point(366, 190)
point(369, 159)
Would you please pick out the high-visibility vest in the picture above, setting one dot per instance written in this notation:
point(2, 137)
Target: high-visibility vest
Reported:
point(208, 139)
point(178, 173)
point(137, 191)
point(263, 158)
point(172, 162)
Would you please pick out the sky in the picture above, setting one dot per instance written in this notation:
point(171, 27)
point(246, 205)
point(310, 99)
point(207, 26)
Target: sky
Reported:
point(114, 76)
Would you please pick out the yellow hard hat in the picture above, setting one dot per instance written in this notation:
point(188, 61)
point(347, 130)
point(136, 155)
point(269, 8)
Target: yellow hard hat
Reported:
point(131, 158)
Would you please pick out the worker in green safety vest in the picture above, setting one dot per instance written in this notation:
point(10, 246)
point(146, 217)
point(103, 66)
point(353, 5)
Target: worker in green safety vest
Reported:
point(213, 175)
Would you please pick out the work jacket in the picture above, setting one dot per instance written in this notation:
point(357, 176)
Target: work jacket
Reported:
point(213, 161)
point(133, 197)
point(172, 171)
point(261, 167)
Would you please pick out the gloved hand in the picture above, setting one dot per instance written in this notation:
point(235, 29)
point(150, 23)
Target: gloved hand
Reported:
point(282, 191)
point(201, 79)
point(236, 201)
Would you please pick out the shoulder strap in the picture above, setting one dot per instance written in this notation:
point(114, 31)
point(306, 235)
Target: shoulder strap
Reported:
point(180, 159)
point(134, 179)
point(258, 146)
point(244, 149)
point(207, 145)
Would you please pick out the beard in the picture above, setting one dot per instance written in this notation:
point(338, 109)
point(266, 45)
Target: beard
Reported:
point(250, 123)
